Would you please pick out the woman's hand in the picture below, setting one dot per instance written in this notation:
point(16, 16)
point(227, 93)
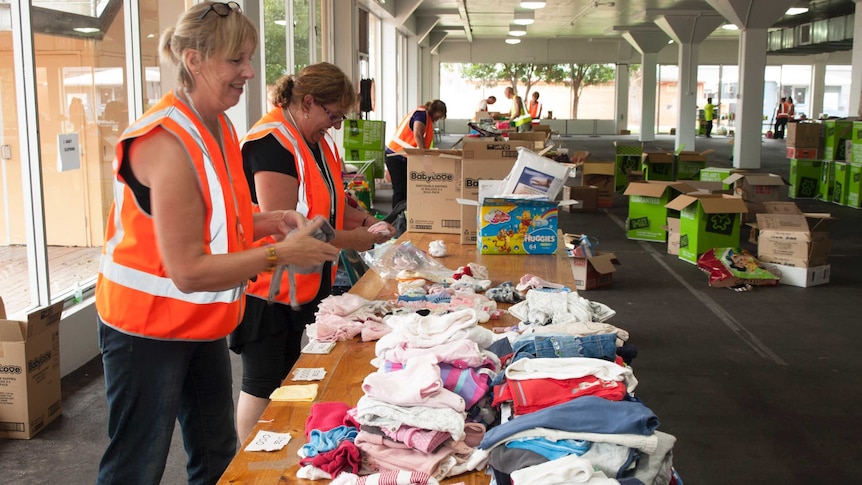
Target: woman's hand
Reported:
point(301, 248)
point(277, 223)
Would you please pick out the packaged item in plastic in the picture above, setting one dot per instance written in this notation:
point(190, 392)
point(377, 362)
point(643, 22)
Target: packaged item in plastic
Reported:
point(734, 268)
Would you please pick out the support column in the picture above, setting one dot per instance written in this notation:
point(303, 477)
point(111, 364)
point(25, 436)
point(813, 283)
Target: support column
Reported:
point(749, 111)
point(818, 86)
point(649, 64)
point(685, 98)
point(649, 40)
point(856, 61)
point(621, 91)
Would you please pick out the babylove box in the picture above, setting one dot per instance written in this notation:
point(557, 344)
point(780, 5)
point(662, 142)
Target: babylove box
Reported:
point(433, 184)
point(29, 372)
point(648, 213)
point(707, 221)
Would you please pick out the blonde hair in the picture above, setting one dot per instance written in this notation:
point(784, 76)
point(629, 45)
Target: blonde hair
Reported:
point(211, 35)
point(325, 82)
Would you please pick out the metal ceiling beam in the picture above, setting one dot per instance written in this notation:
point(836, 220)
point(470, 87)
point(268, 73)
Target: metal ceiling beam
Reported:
point(465, 17)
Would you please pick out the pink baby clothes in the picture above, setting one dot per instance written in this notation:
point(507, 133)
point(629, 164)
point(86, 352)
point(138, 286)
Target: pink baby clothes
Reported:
point(418, 384)
point(325, 416)
point(424, 440)
point(466, 382)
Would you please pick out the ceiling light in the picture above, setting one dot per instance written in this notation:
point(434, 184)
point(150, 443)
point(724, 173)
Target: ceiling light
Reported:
point(533, 5)
point(524, 18)
point(513, 41)
point(86, 30)
point(516, 30)
point(796, 10)
point(730, 27)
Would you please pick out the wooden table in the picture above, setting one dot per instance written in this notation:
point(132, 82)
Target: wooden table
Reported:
point(350, 362)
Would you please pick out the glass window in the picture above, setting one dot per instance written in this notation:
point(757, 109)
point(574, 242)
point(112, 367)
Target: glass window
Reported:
point(836, 95)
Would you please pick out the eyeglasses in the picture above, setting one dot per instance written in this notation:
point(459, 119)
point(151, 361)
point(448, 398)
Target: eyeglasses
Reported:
point(222, 9)
point(334, 119)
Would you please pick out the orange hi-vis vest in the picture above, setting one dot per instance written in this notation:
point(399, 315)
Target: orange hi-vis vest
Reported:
point(404, 137)
point(313, 195)
point(134, 293)
point(534, 109)
point(784, 110)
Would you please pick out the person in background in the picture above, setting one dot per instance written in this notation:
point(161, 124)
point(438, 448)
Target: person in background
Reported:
point(791, 109)
point(291, 162)
point(519, 118)
point(178, 254)
point(708, 115)
point(535, 106)
point(416, 130)
point(483, 105)
point(781, 118)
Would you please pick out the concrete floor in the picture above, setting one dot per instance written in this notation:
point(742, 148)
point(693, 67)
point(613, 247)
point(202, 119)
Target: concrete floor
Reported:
point(756, 386)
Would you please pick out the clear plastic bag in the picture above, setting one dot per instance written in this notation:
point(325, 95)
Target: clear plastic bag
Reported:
point(391, 258)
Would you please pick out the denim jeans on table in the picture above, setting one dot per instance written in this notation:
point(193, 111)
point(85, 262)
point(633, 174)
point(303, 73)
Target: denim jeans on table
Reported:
point(150, 384)
point(601, 346)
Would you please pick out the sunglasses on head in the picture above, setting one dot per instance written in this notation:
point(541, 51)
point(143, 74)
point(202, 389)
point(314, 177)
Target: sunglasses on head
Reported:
point(222, 9)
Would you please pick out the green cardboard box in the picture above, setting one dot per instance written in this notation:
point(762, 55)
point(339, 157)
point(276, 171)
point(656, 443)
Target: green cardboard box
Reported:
point(364, 134)
point(835, 134)
point(658, 166)
point(804, 178)
point(628, 159)
point(827, 180)
point(718, 174)
point(647, 220)
point(690, 163)
point(707, 221)
point(847, 189)
point(856, 150)
point(840, 183)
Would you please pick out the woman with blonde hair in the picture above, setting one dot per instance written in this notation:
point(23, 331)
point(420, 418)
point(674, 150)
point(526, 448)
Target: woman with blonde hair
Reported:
point(177, 257)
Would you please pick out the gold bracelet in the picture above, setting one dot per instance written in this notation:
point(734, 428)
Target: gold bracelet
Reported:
point(271, 258)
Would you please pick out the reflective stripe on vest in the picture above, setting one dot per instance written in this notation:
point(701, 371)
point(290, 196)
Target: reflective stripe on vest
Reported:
point(311, 195)
point(404, 136)
point(134, 293)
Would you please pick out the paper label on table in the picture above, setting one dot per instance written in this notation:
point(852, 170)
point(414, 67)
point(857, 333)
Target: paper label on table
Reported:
point(309, 374)
point(268, 441)
point(318, 347)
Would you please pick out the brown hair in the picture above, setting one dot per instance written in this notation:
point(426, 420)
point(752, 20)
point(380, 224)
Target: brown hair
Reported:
point(211, 35)
point(436, 106)
point(325, 82)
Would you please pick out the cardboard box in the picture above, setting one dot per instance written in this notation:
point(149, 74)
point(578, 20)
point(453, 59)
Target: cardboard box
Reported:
point(595, 272)
point(648, 213)
point(804, 178)
point(836, 133)
point(658, 165)
point(801, 277)
point(690, 163)
point(587, 194)
point(707, 221)
point(847, 188)
point(482, 160)
point(803, 153)
point(787, 236)
point(364, 134)
point(803, 135)
point(827, 181)
point(718, 174)
point(756, 187)
point(848, 152)
point(536, 138)
point(672, 235)
point(602, 176)
point(433, 184)
point(800, 254)
point(29, 372)
point(628, 159)
point(517, 226)
point(856, 149)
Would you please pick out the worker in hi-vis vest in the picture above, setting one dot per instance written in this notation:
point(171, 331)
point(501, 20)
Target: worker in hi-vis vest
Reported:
point(519, 117)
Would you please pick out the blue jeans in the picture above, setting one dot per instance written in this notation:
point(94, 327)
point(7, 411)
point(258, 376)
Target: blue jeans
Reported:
point(602, 346)
point(150, 384)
